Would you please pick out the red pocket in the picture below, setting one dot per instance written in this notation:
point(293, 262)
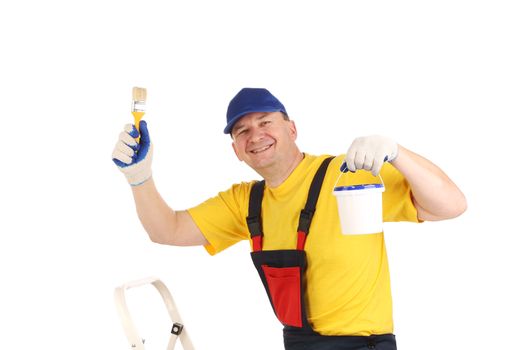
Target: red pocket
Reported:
point(284, 284)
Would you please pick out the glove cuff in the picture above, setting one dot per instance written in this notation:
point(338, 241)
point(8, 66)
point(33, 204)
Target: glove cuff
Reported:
point(138, 173)
point(394, 154)
point(139, 177)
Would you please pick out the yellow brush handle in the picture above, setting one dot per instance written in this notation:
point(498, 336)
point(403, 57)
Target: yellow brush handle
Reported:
point(138, 116)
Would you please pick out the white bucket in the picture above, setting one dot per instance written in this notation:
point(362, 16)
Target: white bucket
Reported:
point(360, 208)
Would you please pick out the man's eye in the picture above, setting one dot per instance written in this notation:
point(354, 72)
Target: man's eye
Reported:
point(266, 122)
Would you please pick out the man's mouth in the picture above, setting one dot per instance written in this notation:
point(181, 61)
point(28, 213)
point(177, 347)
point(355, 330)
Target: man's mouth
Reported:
point(261, 149)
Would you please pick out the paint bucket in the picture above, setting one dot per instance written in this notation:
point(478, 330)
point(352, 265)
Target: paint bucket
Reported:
point(360, 208)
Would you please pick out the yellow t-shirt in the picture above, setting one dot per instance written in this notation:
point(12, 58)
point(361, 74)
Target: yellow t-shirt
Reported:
point(348, 282)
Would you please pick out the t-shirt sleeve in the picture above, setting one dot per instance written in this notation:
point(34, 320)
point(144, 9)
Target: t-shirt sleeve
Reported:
point(222, 219)
point(397, 198)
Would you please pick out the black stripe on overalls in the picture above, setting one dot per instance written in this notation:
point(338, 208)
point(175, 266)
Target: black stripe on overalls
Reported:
point(282, 272)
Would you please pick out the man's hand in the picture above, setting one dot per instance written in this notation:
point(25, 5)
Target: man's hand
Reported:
point(369, 153)
point(132, 158)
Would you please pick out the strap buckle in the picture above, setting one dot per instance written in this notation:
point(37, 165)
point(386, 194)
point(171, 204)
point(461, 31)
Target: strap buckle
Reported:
point(254, 225)
point(305, 219)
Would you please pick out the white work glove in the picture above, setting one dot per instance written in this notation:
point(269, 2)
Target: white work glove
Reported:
point(132, 158)
point(369, 153)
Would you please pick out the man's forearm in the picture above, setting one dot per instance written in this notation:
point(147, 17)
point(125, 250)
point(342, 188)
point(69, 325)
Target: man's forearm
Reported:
point(435, 195)
point(154, 213)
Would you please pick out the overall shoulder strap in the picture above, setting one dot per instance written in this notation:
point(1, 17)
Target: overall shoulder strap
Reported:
point(253, 220)
point(305, 219)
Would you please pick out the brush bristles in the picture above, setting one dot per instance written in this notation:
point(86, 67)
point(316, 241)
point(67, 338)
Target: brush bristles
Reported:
point(139, 94)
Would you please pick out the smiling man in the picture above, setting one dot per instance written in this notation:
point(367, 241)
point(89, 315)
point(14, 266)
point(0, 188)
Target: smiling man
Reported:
point(266, 142)
point(329, 290)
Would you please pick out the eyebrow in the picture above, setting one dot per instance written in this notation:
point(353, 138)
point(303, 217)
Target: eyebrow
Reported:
point(238, 125)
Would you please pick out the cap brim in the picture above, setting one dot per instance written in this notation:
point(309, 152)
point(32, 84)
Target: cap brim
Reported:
point(235, 119)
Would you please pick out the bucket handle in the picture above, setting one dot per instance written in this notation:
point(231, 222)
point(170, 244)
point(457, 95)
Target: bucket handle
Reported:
point(343, 168)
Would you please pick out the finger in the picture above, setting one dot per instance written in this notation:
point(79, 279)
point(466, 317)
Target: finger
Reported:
point(128, 139)
point(368, 162)
point(350, 157)
point(125, 149)
point(131, 130)
point(120, 158)
point(119, 163)
point(359, 160)
point(378, 162)
point(144, 133)
point(143, 150)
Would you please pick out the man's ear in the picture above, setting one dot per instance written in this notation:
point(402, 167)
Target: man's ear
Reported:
point(236, 152)
point(293, 129)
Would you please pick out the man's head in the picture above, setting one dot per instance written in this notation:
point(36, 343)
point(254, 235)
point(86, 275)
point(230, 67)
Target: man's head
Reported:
point(250, 100)
point(263, 135)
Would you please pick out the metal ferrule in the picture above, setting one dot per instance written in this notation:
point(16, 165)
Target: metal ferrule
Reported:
point(138, 106)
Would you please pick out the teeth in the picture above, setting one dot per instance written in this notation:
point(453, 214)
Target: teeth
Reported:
point(261, 149)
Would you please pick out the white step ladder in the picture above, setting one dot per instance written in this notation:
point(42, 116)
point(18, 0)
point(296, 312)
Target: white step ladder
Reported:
point(177, 330)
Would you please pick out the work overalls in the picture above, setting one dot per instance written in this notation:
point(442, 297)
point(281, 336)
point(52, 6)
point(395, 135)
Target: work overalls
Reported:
point(282, 273)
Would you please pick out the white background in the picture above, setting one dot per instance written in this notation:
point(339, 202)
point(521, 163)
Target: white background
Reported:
point(445, 79)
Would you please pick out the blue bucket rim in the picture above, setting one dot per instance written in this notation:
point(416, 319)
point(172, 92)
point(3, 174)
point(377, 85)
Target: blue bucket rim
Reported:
point(358, 187)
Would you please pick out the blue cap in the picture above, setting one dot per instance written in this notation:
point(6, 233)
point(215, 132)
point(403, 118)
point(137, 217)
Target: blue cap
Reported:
point(250, 100)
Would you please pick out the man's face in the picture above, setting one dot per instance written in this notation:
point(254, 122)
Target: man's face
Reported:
point(263, 139)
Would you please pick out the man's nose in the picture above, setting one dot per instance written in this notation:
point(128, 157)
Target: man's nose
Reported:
point(256, 134)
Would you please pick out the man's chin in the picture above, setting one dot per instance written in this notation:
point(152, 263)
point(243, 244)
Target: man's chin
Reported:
point(260, 164)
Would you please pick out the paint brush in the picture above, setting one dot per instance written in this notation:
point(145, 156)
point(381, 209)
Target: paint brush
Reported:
point(138, 106)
